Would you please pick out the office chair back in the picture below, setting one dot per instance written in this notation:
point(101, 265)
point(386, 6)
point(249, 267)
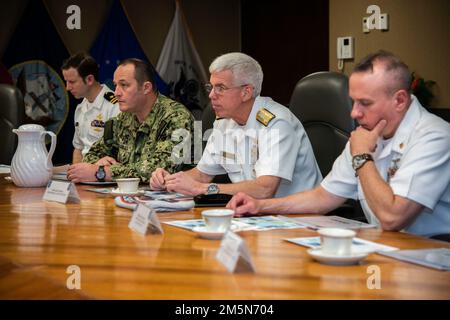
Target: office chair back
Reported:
point(12, 115)
point(321, 102)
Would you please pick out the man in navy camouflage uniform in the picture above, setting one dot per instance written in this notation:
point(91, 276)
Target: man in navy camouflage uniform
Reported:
point(139, 139)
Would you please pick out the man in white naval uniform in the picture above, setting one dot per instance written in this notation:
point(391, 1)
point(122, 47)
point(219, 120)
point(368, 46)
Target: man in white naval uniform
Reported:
point(99, 104)
point(259, 143)
point(397, 162)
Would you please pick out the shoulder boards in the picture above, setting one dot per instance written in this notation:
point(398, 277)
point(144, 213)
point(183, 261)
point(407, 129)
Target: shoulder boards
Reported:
point(109, 96)
point(265, 116)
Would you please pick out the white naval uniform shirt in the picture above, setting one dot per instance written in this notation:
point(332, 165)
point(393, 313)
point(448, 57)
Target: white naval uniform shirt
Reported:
point(418, 159)
point(90, 119)
point(281, 149)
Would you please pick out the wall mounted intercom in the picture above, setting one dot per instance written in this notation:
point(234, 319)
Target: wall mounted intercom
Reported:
point(345, 48)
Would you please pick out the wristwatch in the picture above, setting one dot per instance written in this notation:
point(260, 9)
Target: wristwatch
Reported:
point(100, 174)
point(360, 159)
point(213, 188)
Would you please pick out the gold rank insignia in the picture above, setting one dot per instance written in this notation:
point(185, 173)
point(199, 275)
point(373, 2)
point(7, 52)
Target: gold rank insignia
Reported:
point(228, 155)
point(264, 116)
point(109, 96)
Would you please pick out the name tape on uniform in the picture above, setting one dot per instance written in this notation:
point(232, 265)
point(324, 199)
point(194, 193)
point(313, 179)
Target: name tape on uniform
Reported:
point(234, 254)
point(145, 220)
point(61, 191)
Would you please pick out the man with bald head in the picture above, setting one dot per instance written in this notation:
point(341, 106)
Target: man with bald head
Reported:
point(396, 163)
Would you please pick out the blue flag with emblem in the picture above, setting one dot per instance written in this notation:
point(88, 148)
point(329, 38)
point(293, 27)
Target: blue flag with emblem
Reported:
point(34, 56)
point(116, 42)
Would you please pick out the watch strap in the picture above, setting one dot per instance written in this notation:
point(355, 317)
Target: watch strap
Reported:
point(360, 160)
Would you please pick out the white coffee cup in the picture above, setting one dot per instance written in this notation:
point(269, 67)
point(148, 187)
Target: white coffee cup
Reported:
point(217, 220)
point(335, 241)
point(128, 184)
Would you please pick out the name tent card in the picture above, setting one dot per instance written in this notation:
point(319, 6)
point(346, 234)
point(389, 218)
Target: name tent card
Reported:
point(234, 254)
point(145, 220)
point(61, 191)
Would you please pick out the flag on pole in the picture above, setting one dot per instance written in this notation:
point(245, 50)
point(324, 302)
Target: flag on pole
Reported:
point(116, 42)
point(34, 56)
point(180, 66)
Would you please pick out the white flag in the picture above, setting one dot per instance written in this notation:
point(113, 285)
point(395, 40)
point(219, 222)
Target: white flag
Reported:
point(180, 67)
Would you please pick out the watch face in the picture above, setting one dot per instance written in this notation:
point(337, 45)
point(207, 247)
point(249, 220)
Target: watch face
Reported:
point(213, 188)
point(359, 160)
point(356, 162)
point(100, 174)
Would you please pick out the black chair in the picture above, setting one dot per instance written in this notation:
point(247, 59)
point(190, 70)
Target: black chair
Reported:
point(321, 102)
point(441, 112)
point(12, 115)
point(208, 118)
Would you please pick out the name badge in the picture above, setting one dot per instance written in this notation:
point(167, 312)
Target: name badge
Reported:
point(61, 191)
point(234, 254)
point(145, 220)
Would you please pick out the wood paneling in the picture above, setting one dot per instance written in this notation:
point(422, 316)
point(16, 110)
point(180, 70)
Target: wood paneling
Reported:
point(288, 38)
point(418, 33)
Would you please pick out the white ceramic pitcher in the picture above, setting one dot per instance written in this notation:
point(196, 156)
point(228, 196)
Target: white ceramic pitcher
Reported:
point(32, 165)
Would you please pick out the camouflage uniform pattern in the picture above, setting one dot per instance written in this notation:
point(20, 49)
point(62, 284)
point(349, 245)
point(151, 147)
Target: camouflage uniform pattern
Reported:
point(140, 148)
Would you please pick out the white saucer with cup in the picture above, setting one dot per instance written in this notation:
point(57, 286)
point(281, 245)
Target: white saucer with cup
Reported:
point(127, 186)
point(336, 241)
point(336, 247)
point(217, 222)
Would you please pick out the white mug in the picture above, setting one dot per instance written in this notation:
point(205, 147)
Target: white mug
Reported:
point(128, 184)
point(217, 220)
point(335, 241)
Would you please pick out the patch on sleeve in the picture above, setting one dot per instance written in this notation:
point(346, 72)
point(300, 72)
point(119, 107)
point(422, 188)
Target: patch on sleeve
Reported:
point(109, 96)
point(265, 116)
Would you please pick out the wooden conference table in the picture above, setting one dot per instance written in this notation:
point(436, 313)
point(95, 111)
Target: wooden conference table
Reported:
point(39, 240)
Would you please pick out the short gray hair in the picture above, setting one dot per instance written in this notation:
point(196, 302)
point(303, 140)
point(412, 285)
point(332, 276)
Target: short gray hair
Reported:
point(244, 68)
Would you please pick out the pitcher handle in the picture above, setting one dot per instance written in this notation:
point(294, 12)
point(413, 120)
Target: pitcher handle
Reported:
point(52, 149)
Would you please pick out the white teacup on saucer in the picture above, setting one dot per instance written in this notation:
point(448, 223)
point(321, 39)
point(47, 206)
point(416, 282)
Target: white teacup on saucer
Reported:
point(128, 185)
point(217, 220)
point(353, 258)
point(205, 233)
point(336, 241)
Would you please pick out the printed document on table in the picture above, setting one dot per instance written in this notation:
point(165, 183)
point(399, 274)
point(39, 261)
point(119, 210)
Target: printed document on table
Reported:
point(358, 244)
point(5, 168)
point(437, 258)
point(317, 222)
point(240, 224)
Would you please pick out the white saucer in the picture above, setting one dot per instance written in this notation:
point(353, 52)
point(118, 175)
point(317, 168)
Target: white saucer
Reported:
point(115, 192)
point(206, 234)
point(353, 258)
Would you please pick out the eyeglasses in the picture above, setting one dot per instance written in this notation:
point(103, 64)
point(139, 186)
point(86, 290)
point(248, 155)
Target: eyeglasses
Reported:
point(220, 89)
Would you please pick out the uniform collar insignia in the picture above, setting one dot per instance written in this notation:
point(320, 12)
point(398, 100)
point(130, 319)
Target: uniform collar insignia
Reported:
point(109, 96)
point(264, 116)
